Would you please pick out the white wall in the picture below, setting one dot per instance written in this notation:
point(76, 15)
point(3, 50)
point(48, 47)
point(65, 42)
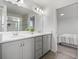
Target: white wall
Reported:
point(68, 24)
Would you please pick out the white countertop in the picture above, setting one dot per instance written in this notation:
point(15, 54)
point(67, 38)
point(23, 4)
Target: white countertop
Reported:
point(8, 37)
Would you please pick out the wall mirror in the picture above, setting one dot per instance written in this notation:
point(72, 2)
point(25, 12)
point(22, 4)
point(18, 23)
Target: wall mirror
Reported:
point(19, 18)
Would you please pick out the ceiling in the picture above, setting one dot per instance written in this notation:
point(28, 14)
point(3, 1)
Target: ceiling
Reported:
point(56, 3)
point(68, 12)
point(39, 3)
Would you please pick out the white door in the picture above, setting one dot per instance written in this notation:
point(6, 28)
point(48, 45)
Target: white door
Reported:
point(28, 49)
point(11, 50)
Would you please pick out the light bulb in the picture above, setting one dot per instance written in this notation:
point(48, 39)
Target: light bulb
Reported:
point(62, 14)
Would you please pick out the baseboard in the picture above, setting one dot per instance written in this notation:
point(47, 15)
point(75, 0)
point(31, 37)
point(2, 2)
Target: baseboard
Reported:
point(68, 45)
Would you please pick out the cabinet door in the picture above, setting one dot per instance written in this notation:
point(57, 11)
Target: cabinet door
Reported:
point(28, 49)
point(38, 54)
point(38, 43)
point(11, 50)
point(49, 39)
point(38, 47)
point(46, 44)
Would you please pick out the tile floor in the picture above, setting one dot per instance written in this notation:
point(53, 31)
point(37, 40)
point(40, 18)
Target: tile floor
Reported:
point(62, 53)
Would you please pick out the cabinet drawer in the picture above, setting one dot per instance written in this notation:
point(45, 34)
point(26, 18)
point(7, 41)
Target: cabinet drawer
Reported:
point(38, 39)
point(45, 37)
point(38, 53)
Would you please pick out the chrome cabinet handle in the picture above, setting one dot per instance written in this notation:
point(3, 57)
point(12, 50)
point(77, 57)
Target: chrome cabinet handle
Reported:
point(23, 44)
point(20, 45)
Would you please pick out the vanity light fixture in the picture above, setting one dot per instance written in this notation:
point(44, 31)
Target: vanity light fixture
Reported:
point(38, 10)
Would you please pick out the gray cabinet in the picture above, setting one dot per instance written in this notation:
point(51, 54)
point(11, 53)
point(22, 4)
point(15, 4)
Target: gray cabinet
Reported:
point(31, 48)
point(42, 45)
point(28, 49)
point(38, 47)
point(49, 41)
point(46, 43)
point(11, 50)
point(23, 49)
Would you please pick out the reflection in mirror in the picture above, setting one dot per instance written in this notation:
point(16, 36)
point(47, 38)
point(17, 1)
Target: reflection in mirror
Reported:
point(13, 23)
point(18, 18)
point(31, 25)
point(17, 23)
point(1, 13)
point(23, 23)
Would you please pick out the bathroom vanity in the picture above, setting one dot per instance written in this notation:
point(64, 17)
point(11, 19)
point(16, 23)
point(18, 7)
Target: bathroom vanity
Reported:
point(29, 47)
